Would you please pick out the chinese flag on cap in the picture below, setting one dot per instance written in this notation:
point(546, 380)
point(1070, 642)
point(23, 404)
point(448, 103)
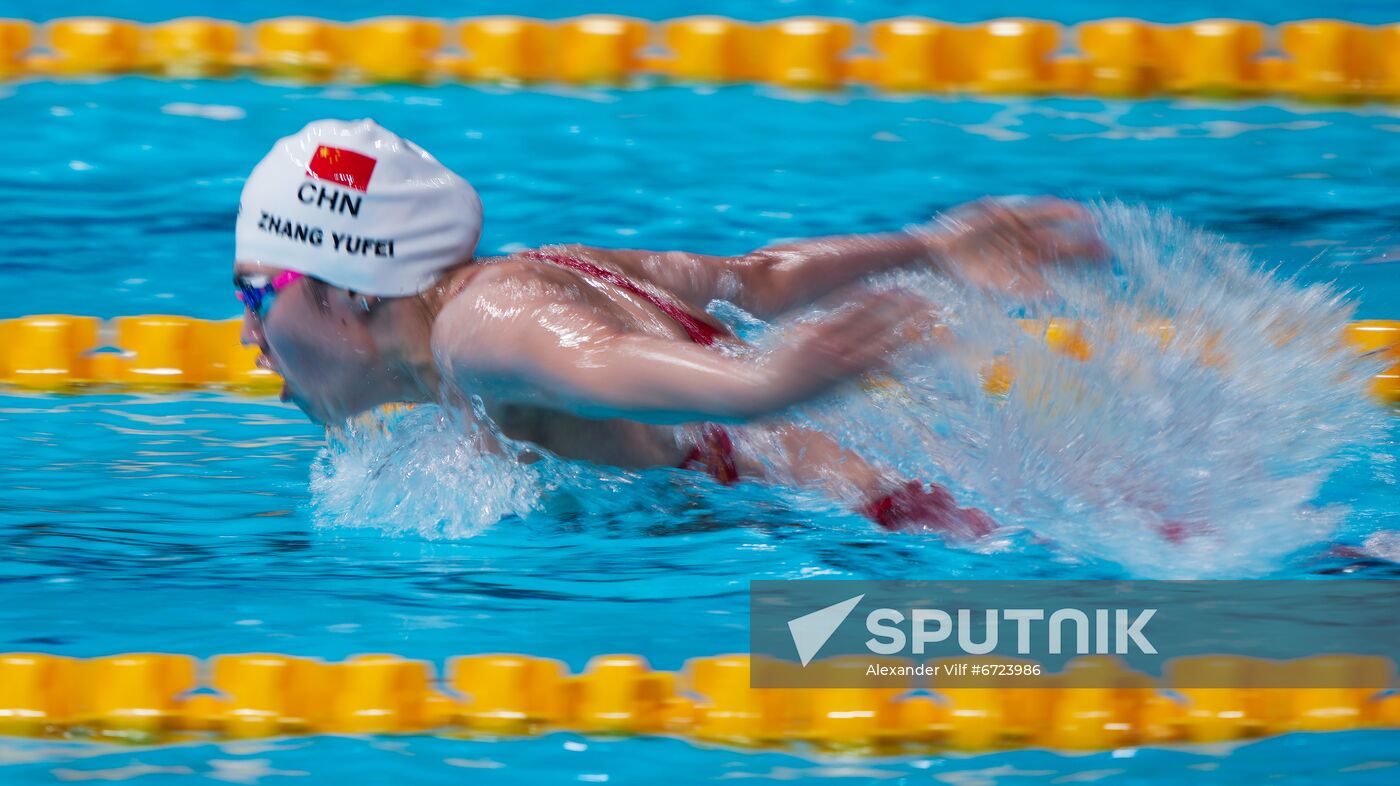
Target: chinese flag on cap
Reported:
point(345, 167)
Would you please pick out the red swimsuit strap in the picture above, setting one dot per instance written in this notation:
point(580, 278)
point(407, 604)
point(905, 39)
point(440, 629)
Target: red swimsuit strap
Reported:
point(701, 333)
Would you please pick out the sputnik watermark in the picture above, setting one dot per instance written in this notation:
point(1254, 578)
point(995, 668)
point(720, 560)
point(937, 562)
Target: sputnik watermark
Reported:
point(1113, 631)
point(960, 669)
point(981, 633)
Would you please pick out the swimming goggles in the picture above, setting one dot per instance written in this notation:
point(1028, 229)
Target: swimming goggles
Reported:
point(257, 291)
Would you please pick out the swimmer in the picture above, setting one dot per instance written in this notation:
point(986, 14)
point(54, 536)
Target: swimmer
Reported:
point(355, 262)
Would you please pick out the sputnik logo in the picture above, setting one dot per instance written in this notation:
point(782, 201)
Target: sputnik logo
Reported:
point(810, 632)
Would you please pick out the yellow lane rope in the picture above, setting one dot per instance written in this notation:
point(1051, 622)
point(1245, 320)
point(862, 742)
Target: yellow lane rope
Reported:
point(1319, 59)
point(74, 354)
point(1095, 703)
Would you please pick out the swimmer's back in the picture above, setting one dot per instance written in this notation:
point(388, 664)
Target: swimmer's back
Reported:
point(539, 283)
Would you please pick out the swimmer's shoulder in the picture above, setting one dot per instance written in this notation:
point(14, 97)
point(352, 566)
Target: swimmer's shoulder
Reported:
point(486, 287)
point(465, 337)
point(474, 326)
point(516, 275)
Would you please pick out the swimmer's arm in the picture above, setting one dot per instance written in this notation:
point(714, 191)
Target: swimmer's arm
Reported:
point(993, 245)
point(997, 246)
point(569, 357)
point(776, 279)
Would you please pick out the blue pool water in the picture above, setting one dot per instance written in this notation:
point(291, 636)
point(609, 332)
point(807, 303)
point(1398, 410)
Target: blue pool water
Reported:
point(187, 523)
point(1351, 759)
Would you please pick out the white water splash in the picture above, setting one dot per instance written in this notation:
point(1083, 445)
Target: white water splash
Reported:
point(419, 471)
point(1198, 456)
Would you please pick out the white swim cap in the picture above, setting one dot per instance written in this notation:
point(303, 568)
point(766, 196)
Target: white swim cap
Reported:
point(358, 207)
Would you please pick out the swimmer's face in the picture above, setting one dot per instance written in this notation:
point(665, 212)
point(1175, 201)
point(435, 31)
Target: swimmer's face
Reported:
point(316, 337)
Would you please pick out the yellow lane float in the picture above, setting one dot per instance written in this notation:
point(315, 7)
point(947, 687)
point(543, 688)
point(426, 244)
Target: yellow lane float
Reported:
point(153, 352)
point(393, 49)
point(91, 46)
point(1013, 56)
point(194, 47)
point(710, 49)
point(806, 52)
point(599, 50)
point(297, 48)
point(1314, 59)
point(16, 36)
point(1095, 703)
point(66, 353)
point(1122, 57)
point(916, 55)
point(506, 49)
point(1381, 337)
point(1213, 58)
point(1329, 60)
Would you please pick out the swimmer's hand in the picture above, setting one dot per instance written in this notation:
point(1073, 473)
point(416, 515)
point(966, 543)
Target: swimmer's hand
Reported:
point(820, 356)
point(1003, 246)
